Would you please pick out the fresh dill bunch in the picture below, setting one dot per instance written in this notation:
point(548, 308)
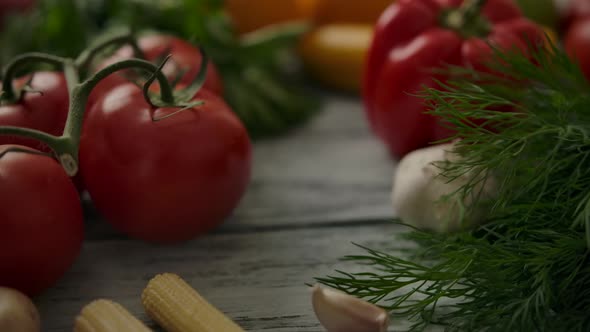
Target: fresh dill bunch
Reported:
point(527, 268)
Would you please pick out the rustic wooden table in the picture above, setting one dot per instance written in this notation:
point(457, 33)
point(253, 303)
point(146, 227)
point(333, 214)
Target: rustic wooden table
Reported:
point(313, 192)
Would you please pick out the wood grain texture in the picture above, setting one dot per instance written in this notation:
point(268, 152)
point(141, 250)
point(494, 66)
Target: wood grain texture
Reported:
point(333, 169)
point(257, 278)
point(313, 192)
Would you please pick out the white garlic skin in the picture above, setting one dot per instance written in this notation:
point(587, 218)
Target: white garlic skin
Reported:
point(340, 312)
point(418, 189)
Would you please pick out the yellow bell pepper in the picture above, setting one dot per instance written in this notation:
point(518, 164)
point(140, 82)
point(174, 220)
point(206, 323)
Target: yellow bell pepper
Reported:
point(334, 54)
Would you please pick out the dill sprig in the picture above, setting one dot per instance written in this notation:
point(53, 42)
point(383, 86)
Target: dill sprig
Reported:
point(527, 267)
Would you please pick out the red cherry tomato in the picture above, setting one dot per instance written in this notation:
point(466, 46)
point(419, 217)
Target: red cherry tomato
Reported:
point(577, 44)
point(40, 220)
point(45, 110)
point(168, 180)
point(185, 57)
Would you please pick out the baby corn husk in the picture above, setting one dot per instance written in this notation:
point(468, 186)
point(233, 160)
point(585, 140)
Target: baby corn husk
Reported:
point(177, 307)
point(107, 316)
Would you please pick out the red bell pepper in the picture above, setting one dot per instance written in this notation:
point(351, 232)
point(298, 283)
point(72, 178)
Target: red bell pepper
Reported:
point(577, 34)
point(411, 38)
point(576, 10)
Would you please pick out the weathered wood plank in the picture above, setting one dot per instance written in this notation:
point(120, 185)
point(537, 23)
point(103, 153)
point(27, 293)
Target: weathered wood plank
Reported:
point(330, 170)
point(313, 192)
point(256, 278)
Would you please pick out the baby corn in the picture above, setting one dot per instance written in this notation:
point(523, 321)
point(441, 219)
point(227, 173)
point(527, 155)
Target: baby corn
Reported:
point(107, 316)
point(177, 307)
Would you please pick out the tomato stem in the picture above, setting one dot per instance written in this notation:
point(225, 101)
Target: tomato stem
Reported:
point(23, 150)
point(72, 75)
point(187, 94)
point(467, 19)
point(165, 88)
point(151, 80)
point(63, 147)
point(84, 60)
point(66, 146)
point(79, 98)
point(41, 136)
point(11, 70)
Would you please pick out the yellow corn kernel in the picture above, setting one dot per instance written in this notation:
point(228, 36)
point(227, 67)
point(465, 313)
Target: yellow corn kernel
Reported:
point(177, 307)
point(107, 316)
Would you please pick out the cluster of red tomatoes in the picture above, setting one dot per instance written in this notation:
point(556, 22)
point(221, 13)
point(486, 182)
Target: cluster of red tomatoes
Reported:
point(153, 173)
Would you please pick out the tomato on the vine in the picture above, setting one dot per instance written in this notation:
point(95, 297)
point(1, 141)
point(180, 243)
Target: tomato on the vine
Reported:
point(41, 223)
point(164, 179)
point(185, 60)
point(45, 108)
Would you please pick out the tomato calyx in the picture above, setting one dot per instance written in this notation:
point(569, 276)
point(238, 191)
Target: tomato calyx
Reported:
point(182, 98)
point(467, 20)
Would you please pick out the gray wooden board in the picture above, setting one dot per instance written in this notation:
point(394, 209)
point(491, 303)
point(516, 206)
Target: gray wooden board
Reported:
point(257, 278)
point(313, 192)
point(333, 169)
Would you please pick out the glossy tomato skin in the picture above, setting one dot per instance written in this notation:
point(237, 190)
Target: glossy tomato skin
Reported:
point(40, 220)
point(165, 181)
point(577, 44)
point(185, 57)
point(46, 110)
point(575, 10)
point(408, 43)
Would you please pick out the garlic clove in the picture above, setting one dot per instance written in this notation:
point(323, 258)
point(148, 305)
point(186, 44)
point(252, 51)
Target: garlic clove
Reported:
point(340, 312)
point(18, 312)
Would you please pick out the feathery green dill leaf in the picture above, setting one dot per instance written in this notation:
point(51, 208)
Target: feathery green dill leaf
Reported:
point(527, 267)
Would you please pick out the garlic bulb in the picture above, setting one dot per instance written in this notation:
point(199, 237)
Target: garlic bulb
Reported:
point(418, 189)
